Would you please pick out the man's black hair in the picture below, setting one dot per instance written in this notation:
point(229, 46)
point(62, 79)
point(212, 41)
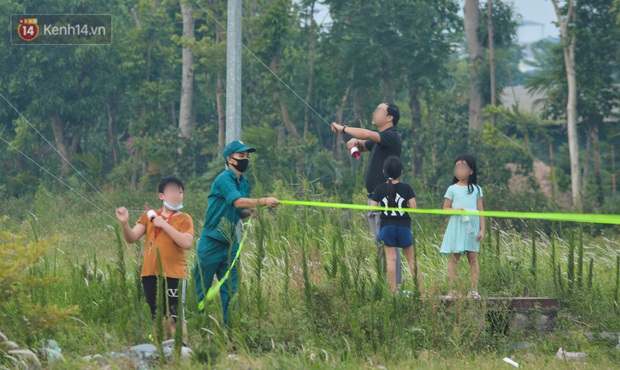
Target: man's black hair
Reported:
point(392, 110)
point(170, 180)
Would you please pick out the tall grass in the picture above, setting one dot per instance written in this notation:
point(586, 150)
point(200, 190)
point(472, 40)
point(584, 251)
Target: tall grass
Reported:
point(312, 286)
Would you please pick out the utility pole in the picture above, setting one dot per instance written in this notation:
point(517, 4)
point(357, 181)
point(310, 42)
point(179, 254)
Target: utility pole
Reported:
point(233, 72)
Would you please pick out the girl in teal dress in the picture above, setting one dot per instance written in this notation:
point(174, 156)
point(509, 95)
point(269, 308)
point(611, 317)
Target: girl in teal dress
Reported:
point(464, 233)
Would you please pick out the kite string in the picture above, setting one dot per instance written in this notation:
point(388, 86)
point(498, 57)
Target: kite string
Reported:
point(265, 65)
point(56, 177)
point(56, 150)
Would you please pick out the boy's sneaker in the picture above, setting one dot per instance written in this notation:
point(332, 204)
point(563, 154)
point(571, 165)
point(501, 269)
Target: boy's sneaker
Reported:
point(473, 294)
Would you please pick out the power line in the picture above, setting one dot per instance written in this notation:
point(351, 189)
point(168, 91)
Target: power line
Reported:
point(56, 177)
point(56, 150)
point(265, 65)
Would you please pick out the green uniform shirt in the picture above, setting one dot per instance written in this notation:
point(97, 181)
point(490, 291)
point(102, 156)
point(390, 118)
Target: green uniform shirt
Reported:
point(221, 212)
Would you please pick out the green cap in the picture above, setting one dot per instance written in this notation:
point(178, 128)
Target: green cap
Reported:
point(236, 146)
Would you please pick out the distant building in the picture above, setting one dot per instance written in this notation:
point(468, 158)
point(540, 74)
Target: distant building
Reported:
point(534, 102)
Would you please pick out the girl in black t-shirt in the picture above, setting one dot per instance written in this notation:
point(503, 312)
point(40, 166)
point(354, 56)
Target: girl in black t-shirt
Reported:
point(395, 229)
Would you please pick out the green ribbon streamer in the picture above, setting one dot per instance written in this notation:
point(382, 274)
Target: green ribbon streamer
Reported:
point(609, 219)
point(568, 217)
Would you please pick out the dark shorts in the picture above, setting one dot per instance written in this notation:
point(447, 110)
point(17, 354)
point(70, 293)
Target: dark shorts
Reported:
point(170, 295)
point(395, 236)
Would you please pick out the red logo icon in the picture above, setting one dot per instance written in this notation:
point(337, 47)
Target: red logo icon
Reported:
point(28, 29)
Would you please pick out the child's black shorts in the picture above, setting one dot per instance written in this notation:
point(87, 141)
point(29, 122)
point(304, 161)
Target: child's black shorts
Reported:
point(170, 295)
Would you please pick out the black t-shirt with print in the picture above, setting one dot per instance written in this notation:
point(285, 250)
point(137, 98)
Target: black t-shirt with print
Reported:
point(402, 194)
point(390, 145)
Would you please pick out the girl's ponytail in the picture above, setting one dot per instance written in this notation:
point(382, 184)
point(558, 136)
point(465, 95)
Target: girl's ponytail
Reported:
point(391, 193)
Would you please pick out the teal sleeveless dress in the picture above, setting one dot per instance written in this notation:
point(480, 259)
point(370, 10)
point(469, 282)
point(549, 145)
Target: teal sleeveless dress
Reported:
point(462, 231)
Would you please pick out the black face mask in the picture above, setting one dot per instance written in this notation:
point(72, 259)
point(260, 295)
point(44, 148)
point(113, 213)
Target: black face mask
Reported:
point(242, 164)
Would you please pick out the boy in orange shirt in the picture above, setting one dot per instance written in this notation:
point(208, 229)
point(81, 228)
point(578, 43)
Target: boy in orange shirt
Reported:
point(172, 233)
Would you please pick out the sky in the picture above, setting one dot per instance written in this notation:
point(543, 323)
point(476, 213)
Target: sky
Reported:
point(537, 16)
point(536, 11)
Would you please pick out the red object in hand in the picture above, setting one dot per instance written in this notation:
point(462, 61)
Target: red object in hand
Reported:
point(355, 152)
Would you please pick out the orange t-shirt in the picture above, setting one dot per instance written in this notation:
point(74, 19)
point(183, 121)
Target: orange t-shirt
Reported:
point(172, 256)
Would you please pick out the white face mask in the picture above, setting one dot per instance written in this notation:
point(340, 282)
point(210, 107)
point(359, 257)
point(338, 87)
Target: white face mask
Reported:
point(173, 208)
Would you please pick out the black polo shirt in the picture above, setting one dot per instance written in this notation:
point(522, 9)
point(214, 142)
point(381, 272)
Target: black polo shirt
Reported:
point(390, 145)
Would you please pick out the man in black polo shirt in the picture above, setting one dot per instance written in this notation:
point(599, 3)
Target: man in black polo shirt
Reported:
point(381, 145)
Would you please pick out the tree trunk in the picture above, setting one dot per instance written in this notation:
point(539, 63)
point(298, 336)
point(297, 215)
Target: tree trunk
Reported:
point(491, 49)
point(171, 114)
point(310, 71)
point(568, 45)
point(476, 57)
point(187, 82)
point(358, 112)
point(135, 17)
point(416, 125)
point(290, 126)
point(86, 139)
point(552, 172)
point(281, 135)
point(149, 51)
point(600, 195)
point(340, 119)
point(111, 132)
point(148, 56)
point(433, 135)
point(586, 160)
point(75, 143)
point(388, 88)
point(573, 139)
point(59, 137)
point(358, 118)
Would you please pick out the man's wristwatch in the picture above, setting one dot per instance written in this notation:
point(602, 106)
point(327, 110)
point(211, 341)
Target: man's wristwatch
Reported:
point(344, 127)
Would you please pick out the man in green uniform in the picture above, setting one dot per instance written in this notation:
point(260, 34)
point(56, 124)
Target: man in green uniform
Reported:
point(228, 202)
